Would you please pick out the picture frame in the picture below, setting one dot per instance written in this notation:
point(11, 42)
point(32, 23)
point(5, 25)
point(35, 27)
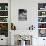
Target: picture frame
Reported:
point(22, 15)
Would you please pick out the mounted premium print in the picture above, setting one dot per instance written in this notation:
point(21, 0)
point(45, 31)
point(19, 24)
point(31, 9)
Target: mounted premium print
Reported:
point(22, 15)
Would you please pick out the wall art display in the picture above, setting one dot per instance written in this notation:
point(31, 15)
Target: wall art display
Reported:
point(42, 33)
point(22, 15)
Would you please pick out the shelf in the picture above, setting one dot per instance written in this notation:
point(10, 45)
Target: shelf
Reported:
point(42, 16)
point(41, 19)
point(41, 22)
point(3, 16)
point(3, 22)
point(41, 28)
point(41, 10)
point(4, 19)
point(3, 10)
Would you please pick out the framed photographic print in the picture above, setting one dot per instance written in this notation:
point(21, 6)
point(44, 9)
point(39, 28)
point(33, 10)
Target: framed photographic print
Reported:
point(22, 15)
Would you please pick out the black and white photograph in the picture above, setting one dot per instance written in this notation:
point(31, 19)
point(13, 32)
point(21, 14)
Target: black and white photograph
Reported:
point(22, 15)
